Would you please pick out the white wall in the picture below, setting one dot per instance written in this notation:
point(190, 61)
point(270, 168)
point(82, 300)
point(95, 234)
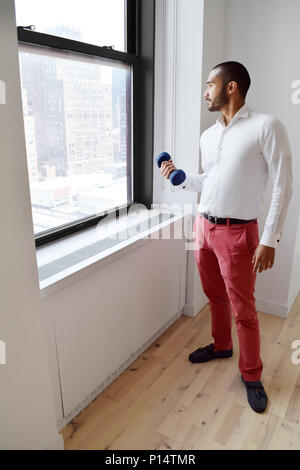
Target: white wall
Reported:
point(214, 12)
point(26, 404)
point(264, 35)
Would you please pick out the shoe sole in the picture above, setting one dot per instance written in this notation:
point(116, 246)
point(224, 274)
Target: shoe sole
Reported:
point(209, 359)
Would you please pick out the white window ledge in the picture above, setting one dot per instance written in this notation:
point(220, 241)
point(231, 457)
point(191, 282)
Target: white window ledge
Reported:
point(65, 261)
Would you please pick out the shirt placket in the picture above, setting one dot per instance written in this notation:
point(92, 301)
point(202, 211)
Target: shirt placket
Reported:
point(219, 153)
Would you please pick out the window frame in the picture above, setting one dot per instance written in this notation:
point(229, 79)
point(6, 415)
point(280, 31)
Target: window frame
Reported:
point(140, 46)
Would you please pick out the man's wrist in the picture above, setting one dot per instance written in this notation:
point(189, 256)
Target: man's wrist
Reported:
point(267, 246)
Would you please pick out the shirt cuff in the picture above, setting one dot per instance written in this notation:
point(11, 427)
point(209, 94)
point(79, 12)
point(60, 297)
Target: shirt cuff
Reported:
point(185, 185)
point(271, 239)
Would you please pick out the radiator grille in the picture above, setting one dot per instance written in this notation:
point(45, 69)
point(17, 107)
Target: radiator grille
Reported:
point(65, 262)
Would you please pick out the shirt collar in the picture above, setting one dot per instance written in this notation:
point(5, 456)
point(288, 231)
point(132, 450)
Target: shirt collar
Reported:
point(241, 113)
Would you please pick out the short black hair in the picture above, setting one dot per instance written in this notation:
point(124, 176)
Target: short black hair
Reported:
point(234, 71)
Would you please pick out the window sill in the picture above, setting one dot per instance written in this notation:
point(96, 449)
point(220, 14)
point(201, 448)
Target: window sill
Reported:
point(65, 261)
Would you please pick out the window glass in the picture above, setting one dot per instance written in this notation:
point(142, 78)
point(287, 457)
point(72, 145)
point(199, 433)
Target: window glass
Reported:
point(77, 118)
point(99, 22)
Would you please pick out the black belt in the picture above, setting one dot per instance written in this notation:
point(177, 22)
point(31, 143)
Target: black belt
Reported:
point(223, 220)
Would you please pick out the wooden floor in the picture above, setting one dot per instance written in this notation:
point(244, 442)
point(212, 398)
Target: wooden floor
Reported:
point(162, 401)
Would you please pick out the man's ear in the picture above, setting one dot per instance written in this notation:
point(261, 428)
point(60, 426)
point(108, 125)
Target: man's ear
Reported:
point(231, 87)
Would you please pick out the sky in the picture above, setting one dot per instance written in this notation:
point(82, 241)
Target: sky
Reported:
point(101, 21)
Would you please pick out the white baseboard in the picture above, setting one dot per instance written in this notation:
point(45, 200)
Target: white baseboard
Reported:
point(191, 310)
point(278, 310)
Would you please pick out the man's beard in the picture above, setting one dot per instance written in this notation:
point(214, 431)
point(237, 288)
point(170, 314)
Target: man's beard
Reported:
point(219, 101)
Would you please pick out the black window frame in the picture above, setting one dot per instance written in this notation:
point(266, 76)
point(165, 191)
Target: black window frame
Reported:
point(140, 42)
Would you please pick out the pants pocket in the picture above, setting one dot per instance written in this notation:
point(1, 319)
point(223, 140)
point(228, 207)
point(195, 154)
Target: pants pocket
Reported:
point(251, 237)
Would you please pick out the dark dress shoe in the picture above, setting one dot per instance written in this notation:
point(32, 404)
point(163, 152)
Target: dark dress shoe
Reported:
point(256, 394)
point(207, 354)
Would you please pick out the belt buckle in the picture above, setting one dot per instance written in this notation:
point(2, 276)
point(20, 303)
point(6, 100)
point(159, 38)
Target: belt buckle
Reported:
point(213, 219)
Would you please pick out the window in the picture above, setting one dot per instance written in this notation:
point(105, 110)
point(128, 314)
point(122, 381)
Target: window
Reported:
point(88, 109)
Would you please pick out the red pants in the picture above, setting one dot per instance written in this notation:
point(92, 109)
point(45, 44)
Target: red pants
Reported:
point(223, 254)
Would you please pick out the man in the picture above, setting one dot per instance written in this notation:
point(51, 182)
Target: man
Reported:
point(240, 152)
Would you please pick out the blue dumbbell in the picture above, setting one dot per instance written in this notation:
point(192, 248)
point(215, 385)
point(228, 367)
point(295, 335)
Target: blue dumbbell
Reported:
point(177, 176)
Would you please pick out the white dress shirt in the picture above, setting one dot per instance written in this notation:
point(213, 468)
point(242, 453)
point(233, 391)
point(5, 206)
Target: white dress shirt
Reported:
point(237, 161)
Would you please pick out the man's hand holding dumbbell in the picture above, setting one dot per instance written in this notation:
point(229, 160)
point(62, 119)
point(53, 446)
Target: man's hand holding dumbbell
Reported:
point(167, 168)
